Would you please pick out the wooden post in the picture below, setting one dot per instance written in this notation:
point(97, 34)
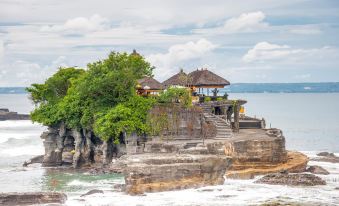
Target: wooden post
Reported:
point(236, 117)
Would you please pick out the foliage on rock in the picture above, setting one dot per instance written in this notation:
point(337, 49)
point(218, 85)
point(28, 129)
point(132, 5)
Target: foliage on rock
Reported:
point(92, 98)
point(176, 95)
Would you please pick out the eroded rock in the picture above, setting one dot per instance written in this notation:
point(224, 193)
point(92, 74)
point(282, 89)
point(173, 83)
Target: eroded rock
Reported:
point(326, 157)
point(91, 192)
point(317, 170)
point(150, 173)
point(36, 159)
point(31, 198)
point(291, 179)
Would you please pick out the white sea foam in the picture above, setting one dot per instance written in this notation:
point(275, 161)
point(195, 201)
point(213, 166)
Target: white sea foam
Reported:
point(233, 192)
point(26, 150)
point(20, 137)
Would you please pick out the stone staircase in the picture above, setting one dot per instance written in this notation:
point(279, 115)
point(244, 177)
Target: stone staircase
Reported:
point(206, 108)
point(223, 128)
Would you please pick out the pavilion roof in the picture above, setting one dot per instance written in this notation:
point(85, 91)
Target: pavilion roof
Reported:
point(151, 83)
point(204, 77)
point(177, 79)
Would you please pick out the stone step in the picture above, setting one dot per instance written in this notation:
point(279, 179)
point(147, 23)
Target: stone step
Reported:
point(223, 136)
point(224, 130)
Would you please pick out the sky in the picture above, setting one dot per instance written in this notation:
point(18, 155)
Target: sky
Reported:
point(242, 41)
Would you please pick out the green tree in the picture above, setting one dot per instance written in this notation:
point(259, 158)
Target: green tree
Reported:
point(128, 117)
point(176, 95)
point(47, 96)
point(101, 99)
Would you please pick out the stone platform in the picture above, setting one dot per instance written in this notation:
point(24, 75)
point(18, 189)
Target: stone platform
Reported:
point(155, 173)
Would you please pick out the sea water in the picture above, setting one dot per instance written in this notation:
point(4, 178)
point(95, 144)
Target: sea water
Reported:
point(310, 123)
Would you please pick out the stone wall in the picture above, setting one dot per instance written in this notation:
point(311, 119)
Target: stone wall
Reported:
point(175, 122)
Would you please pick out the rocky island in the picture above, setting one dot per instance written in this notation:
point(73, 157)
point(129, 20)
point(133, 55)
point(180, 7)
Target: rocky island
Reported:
point(5, 114)
point(114, 117)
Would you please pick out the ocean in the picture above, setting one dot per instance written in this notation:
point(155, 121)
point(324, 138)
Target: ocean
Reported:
point(310, 122)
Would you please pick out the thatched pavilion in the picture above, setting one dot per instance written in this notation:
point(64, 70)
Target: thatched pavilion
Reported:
point(199, 79)
point(204, 78)
point(179, 79)
point(148, 86)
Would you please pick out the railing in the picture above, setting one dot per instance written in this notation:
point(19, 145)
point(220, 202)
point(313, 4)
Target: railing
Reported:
point(211, 98)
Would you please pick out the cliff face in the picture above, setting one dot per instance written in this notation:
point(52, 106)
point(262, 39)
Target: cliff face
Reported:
point(79, 148)
point(257, 146)
point(150, 173)
point(258, 152)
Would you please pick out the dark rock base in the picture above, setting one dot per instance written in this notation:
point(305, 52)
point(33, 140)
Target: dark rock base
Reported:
point(291, 179)
point(31, 198)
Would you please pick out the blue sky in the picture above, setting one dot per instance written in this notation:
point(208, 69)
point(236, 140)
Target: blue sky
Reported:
point(243, 41)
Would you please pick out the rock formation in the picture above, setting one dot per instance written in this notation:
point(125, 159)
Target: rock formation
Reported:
point(31, 198)
point(326, 157)
point(5, 114)
point(154, 173)
point(79, 148)
point(291, 179)
point(317, 170)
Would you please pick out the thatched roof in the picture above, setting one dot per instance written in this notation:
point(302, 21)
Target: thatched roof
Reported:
point(177, 79)
point(205, 77)
point(150, 84)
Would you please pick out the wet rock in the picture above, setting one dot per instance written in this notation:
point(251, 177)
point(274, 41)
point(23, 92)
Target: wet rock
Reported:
point(326, 157)
point(53, 147)
point(119, 187)
point(206, 190)
point(225, 196)
point(31, 198)
point(291, 179)
point(325, 154)
point(317, 170)
point(91, 192)
point(36, 159)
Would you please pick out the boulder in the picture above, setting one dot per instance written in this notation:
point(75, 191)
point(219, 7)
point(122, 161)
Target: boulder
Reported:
point(325, 154)
point(291, 179)
point(31, 198)
point(326, 157)
point(92, 192)
point(36, 159)
point(317, 170)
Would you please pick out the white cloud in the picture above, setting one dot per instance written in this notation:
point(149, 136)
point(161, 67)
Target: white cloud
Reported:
point(264, 51)
point(24, 73)
point(245, 23)
point(167, 63)
point(248, 22)
point(79, 25)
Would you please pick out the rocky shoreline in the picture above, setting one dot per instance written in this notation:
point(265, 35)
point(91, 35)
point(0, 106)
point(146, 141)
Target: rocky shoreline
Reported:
point(31, 198)
point(5, 114)
point(176, 164)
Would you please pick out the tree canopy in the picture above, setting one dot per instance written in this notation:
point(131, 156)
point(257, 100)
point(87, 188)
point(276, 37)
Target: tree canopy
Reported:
point(101, 98)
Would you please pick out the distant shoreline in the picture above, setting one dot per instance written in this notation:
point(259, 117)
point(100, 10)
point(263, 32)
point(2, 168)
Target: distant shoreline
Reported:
point(321, 87)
